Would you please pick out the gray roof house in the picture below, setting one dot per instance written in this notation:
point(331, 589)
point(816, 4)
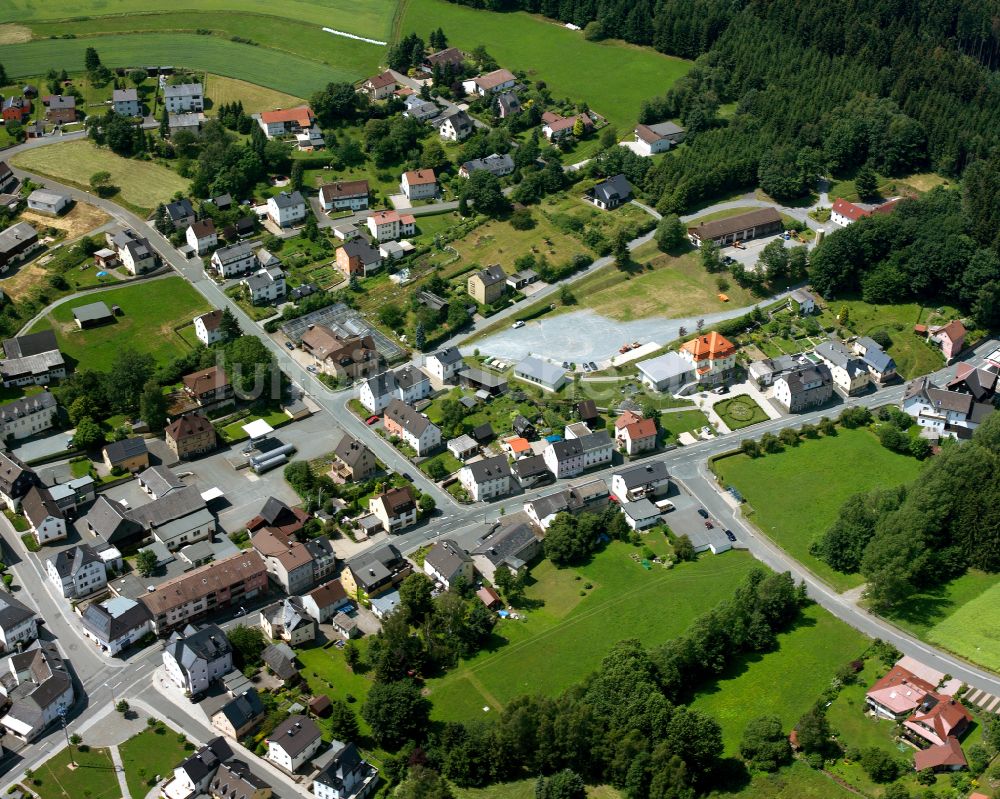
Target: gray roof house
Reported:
point(446, 561)
point(116, 623)
point(239, 714)
point(805, 387)
point(197, 656)
point(667, 373)
point(343, 774)
point(78, 571)
point(880, 364)
point(280, 659)
point(512, 546)
point(38, 685)
point(541, 373)
point(610, 193)
point(18, 623)
point(495, 164)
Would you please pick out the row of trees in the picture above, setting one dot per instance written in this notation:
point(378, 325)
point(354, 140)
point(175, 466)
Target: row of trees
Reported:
point(919, 535)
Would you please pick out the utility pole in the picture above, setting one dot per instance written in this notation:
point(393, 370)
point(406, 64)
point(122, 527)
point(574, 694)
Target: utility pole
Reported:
point(62, 716)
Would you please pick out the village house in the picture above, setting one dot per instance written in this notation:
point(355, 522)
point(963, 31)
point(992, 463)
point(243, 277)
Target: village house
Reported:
point(183, 98)
point(16, 109)
point(286, 209)
point(941, 413)
point(236, 259)
point(950, 338)
point(358, 257)
point(230, 581)
point(116, 623)
point(495, 164)
point(444, 364)
point(802, 302)
point(396, 508)
point(16, 480)
point(77, 572)
point(499, 80)
point(636, 435)
point(353, 460)
point(488, 285)
point(18, 623)
point(508, 104)
point(323, 602)
point(295, 567)
point(582, 496)
point(38, 369)
point(286, 521)
point(881, 366)
point(39, 688)
point(752, 225)
point(420, 109)
point(844, 213)
point(379, 87)
point(446, 561)
point(234, 780)
point(265, 285)
point(419, 184)
point(202, 236)
point(556, 126)
point(390, 225)
point(346, 195)
point(286, 121)
point(640, 515)
point(658, 138)
point(16, 243)
point(60, 109)
point(28, 416)
point(193, 776)
point(345, 774)
point(208, 386)
point(293, 743)
point(412, 384)
point(849, 373)
point(239, 715)
point(377, 392)
point(486, 479)
point(288, 621)
point(69, 496)
point(375, 572)
point(190, 122)
point(641, 482)
point(455, 126)
point(451, 58)
point(50, 203)
point(511, 546)
point(180, 213)
point(610, 193)
point(545, 375)
point(195, 658)
point(804, 387)
point(353, 357)
point(190, 435)
point(712, 355)
point(126, 102)
point(208, 327)
point(416, 430)
point(979, 383)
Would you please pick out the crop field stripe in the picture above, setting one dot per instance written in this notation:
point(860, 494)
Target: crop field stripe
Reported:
point(281, 71)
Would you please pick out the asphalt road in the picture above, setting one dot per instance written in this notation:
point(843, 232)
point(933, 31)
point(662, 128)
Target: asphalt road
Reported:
point(130, 679)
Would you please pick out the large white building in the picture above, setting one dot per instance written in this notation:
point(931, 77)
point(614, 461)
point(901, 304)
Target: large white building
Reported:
point(198, 656)
point(293, 742)
point(487, 479)
point(183, 98)
point(286, 209)
point(28, 416)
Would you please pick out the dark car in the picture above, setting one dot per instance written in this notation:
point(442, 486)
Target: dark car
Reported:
point(703, 513)
point(289, 345)
point(708, 524)
point(593, 366)
point(730, 536)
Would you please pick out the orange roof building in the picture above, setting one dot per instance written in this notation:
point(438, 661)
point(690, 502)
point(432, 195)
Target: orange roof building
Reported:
point(712, 355)
point(285, 121)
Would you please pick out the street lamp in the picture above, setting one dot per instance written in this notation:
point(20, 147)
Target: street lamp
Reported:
point(62, 716)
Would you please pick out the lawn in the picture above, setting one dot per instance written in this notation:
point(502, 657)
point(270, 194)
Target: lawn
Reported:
point(234, 432)
point(912, 354)
point(370, 18)
point(564, 638)
point(740, 412)
point(795, 495)
point(151, 311)
point(812, 651)
point(798, 781)
point(450, 462)
point(924, 610)
point(325, 672)
point(673, 424)
point(156, 751)
point(282, 71)
point(525, 789)
point(973, 631)
point(255, 98)
point(142, 184)
point(664, 285)
point(94, 777)
point(547, 51)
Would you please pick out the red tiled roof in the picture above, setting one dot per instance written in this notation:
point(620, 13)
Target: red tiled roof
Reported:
point(301, 114)
point(418, 177)
point(193, 424)
point(494, 78)
point(644, 428)
point(954, 330)
point(381, 81)
point(850, 210)
point(947, 754)
point(943, 720)
point(709, 346)
point(900, 690)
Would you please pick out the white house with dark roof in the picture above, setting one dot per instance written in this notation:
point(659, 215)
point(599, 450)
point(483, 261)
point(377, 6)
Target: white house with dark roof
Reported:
point(126, 102)
point(196, 657)
point(27, 416)
point(183, 97)
point(444, 364)
point(344, 774)
point(943, 413)
point(207, 327)
point(456, 126)
point(288, 621)
point(487, 479)
point(880, 364)
point(412, 385)
point(265, 285)
point(643, 480)
point(236, 259)
point(293, 743)
point(377, 392)
point(39, 686)
point(201, 236)
point(18, 623)
point(610, 193)
point(657, 138)
point(849, 373)
point(495, 164)
point(46, 520)
point(446, 561)
point(116, 624)
point(511, 546)
point(412, 426)
point(286, 209)
point(77, 572)
point(194, 774)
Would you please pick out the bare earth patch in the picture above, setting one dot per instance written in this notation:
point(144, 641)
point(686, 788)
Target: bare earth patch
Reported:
point(81, 219)
point(14, 34)
point(26, 277)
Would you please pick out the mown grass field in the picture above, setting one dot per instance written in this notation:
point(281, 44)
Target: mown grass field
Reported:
point(94, 777)
point(326, 672)
point(370, 18)
point(525, 789)
point(565, 637)
point(663, 285)
point(281, 71)
point(152, 310)
point(925, 610)
point(497, 242)
point(613, 77)
point(222, 90)
point(282, 34)
point(796, 494)
point(142, 184)
point(156, 751)
point(973, 631)
point(811, 652)
point(798, 781)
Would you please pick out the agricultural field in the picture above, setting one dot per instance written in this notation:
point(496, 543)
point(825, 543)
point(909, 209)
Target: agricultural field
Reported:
point(548, 51)
point(812, 651)
point(151, 312)
point(221, 90)
point(973, 631)
point(795, 494)
point(662, 285)
point(371, 18)
point(281, 71)
point(143, 185)
point(912, 354)
point(566, 635)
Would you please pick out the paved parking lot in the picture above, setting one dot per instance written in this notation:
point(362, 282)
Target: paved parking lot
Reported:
point(685, 520)
point(748, 257)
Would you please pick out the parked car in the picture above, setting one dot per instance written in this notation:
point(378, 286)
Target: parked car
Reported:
point(371, 420)
point(289, 345)
point(565, 365)
point(311, 369)
point(518, 324)
point(730, 536)
point(593, 366)
point(703, 513)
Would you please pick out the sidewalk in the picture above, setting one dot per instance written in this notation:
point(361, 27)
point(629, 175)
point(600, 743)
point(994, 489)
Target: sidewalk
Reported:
point(116, 758)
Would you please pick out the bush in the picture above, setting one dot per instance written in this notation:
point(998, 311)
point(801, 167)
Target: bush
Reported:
point(522, 219)
point(880, 766)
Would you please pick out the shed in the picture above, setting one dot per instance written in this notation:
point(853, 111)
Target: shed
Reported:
point(92, 315)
